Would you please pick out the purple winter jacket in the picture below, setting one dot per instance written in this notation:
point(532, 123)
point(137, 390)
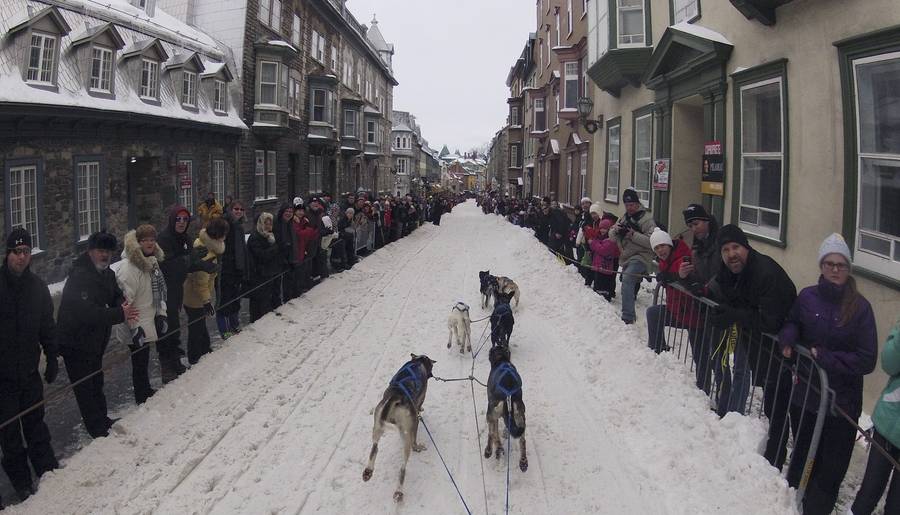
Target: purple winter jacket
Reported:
point(846, 353)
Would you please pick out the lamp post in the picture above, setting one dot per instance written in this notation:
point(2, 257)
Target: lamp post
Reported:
point(585, 106)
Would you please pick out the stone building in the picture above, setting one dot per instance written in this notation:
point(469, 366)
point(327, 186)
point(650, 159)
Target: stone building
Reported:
point(108, 114)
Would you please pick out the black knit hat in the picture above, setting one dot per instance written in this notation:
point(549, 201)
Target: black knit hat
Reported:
point(18, 237)
point(695, 212)
point(102, 240)
point(732, 234)
point(629, 195)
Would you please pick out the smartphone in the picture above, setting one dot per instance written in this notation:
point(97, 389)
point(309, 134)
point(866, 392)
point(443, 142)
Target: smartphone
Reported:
point(686, 259)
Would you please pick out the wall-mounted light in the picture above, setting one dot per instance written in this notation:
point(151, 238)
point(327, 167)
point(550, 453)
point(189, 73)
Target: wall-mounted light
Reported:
point(585, 106)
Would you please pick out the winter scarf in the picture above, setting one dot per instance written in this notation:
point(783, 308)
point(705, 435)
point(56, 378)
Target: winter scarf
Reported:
point(158, 284)
point(149, 265)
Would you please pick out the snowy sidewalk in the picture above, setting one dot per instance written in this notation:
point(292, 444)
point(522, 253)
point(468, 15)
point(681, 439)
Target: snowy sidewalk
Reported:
point(279, 420)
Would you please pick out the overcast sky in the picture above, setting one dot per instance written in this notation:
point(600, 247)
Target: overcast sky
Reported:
point(451, 58)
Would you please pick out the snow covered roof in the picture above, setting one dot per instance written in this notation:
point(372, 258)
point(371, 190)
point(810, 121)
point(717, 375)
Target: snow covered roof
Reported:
point(140, 46)
point(377, 39)
point(280, 43)
point(92, 33)
point(554, 145)
point(27, 17)
point(401, 127)
point(371, 110)
point(211, 68)
point(702, 32)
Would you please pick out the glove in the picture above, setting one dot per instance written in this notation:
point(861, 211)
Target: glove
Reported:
point(209, 267)
point(52, 369)
point(162, 325)
point(665, 278)
point(724, 316)
point(138, 339)
point(209, 310)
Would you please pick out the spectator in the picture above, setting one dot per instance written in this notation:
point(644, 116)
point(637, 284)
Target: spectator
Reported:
point(886, 435)
point(604, 252)
point(144, 287)
point(26, 323)
point(388, 221)
point(265, 260)
point(233, 273)
point(756, 295)
point(286, 239)
point(91, 304)
point(209, 209)
point(678, 310)
point(581, 244)
point(199, 288)
point(837, 324)
point(633, 237)
point(306, 238)
point(319, 264)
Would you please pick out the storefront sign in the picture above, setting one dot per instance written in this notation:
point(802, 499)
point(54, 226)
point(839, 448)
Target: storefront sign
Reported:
point(184, 176)
point(713, 173)
point(661, 175)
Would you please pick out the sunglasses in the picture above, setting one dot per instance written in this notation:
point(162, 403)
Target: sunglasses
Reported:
point(237, 209)
point(182, 219)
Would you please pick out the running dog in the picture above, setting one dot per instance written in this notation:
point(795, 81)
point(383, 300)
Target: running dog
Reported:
point(487, 287)
point(507, 285)
point(460, 327)
point(505, 401)
point(502, 320)
point(400, 406)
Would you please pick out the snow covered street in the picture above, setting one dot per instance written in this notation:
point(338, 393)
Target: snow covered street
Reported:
point(279, 420)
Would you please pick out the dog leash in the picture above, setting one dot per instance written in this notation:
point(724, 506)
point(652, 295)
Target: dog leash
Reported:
point(508, 445)
point(422, 420)
point(480, 319)
point(470, 378)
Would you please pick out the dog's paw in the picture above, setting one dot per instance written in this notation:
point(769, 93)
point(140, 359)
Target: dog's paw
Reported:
point(523, 463)
point(488, 452)
point(398, 496)
point(498, 453)
point(419, 447)
point(367, 474)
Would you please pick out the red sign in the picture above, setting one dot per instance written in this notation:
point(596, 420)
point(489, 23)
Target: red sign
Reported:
point(184, 176)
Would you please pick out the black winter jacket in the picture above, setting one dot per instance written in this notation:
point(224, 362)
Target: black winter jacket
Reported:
point(763, 293)
point(26, 320)
point(91, 304)
point(265, 257)
point(177, 248)
point(235, 261)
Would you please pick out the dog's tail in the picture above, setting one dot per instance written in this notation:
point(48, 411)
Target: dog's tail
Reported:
point(514, 417)
point(388, 407)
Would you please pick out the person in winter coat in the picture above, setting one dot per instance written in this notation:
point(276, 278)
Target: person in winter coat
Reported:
point(92, 303)
point(838, 326)
point(209, 209)
point(886, 435)
point(265, 258)
point(317, 214)
point(633, 237)
point(307, 238)
point(200, 286)
point(755, 296)
point(580, 244)
point(176, 245)
point(678, 310)
point(286, 239)
point(26, 326)
point(347, 234)
point(144, 287)
point(235, 268)
point(604, 253)
point(559, 226)
point(437, 210)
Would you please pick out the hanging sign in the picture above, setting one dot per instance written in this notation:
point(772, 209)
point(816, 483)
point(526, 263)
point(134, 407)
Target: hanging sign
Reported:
point(661, 175)
point(184, 176)
point(713, 172)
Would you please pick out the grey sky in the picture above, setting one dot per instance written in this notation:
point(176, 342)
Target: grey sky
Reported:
point(451, 60)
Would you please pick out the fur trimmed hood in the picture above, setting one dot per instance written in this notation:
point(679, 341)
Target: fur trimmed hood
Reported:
point(216, 247)
point(132, 252)
point(261, 226)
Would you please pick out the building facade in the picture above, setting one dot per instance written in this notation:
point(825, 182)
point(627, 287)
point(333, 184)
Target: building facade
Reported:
point(108, 114)
point(770, 114)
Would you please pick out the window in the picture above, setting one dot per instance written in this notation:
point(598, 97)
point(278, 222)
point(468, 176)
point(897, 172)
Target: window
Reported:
point(877, 97)
point(318, 47)
point(540, 118)
point(101, 69)
point(219, 104)
point(598, 30)
point(557, 30)
point(685, 10)
point(514, 156)
point(584, 161)
point(348, 70)
point(270, 13)
point(87, 193)
point(296, 34)
point(321, 106)
point(514, 116)
point(371, 130)
point(643, 157)
point(571, 85)
point(188, 88)
point(218, 179)
point(569, 179)
point(23, 200)
point(295, 107)
point(631, 22)
point(268, 83)
point(556, 111)
point(402, 166)
point(266, 161)
point(761, 149)
point(350, 123)
point(316, 169)
point(613, 147)
point(41, 58)
point(185, 179)
point(150, 79)
point(334, 64)
point(569, 17)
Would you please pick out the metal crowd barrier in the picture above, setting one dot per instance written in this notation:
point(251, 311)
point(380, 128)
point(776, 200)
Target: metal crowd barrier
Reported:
point(745, 372)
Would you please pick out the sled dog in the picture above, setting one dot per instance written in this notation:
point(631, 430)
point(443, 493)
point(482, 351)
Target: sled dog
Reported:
point(505, 401)
point(487, 287)
point(400, 406)
point(507, 285)
point(460, 327)
point(502, 320)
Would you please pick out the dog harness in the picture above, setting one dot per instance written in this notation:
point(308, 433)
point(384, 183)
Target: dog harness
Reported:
point(461, 306)
point(409, 380)
point(499, 383)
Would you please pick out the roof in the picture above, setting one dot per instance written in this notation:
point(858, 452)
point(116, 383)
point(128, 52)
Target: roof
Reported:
point(700, 31)
point(24, 19)
point(140, 46)
point(401, 127)
point(377, 39)
point(91, 33)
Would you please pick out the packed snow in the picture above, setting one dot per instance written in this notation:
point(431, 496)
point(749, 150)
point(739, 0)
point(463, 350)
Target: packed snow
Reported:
point(279, 419)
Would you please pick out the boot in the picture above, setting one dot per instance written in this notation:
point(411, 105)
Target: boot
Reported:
point(24, 491)
point(170, 369)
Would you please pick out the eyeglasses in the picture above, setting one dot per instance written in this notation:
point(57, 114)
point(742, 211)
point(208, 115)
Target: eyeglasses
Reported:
point(21, 251)
point(837, 267)
point(182, 219)
point(237, 209)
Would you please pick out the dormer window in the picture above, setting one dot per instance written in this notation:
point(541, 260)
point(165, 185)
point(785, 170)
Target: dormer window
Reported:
point(219, 104)
point(183, 70)
point(42, 59)
point(101, 69)
point(188, 88)
point(149, 79)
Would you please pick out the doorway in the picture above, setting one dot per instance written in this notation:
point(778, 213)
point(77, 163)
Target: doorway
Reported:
point(145, 194)
point(687, 159)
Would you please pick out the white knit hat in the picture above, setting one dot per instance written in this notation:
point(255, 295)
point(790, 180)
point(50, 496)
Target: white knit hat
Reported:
point(660, 237)
point(834, 244)
point(595, 208)
point(585, 199)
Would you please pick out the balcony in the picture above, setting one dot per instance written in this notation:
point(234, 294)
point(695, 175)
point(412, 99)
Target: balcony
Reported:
point(762, 11)
point(620, 67)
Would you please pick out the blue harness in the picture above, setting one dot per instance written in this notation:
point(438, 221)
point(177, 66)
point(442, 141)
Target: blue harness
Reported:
point(409, 380)
point(499, 383)
point(501, 310)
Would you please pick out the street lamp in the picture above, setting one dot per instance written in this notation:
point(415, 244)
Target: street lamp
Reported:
point(585, 106)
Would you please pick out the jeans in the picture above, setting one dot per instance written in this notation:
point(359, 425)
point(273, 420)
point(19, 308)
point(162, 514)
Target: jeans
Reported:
point(631, 278)
point(740, 384)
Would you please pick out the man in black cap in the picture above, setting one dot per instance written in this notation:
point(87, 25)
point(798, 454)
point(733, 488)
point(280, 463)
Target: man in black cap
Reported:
point(26, 326)
point(91, 304)
point(632, 234)
point(755, 295)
